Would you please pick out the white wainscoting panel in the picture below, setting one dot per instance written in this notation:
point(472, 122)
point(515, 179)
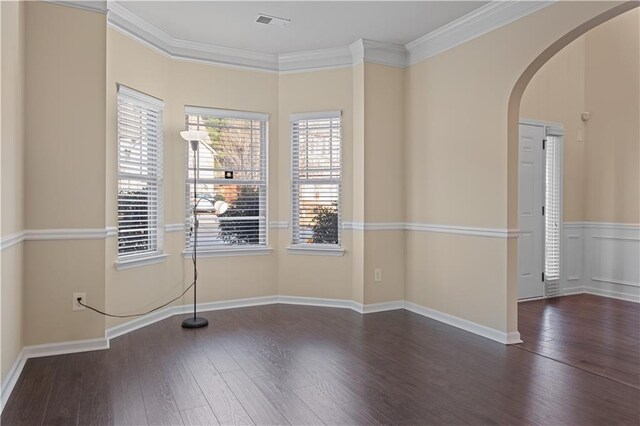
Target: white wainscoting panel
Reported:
point(603, 259)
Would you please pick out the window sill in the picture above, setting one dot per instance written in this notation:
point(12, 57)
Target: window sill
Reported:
point(227, 252)
point(140, 261)
point(313, 250)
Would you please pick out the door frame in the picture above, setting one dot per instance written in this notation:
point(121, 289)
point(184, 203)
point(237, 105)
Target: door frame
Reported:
point(551, 128)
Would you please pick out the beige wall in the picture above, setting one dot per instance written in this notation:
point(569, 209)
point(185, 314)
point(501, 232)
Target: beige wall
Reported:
point(557, 94)
point(461, 162)
point(598, 73)
point(12, 186)
point(612, 163)
point(304, 275)
point(65, 182)
point(383, 163)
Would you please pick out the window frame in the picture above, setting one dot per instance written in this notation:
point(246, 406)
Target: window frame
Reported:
point(227, 249)
point(297, 247)
point(156, 239)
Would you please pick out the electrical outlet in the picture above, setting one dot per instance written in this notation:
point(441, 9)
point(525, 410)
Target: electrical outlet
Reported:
point(75, 305)
point(377, 275)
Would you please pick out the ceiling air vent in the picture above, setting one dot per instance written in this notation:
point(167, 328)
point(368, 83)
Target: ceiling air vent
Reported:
point(272, 20)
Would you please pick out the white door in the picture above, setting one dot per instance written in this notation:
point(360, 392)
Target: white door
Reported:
point(530, 211)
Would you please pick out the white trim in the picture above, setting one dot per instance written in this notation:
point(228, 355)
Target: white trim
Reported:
point(487, 18)
point(226, 113)
point(315, 250)
point(12, 378)
point(382, 307)
point(174, 227)
point(540, 123)
point(481, 330)
point(69, 234)
point(320, 302)
point(124, 263)
point(604, 225)
point(152, 101)
point(99, 6)
point(11, 240)
point(611, 294)
point(393, 55)
point(229, 251)
point(463, 230)
point(314, 115)
point(69, 347)
point(279, 225)
point(313, 60)
point(382, 226)
point(480, 21)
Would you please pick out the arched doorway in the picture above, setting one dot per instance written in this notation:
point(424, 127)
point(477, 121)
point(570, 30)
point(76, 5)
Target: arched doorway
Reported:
point(550, 338)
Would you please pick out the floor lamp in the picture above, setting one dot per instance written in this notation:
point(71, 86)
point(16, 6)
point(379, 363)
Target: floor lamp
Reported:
point(194, 137)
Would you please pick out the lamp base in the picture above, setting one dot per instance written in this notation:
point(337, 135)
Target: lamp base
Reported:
point(196, 322)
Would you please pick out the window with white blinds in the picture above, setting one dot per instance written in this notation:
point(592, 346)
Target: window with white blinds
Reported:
point(553, 173)
point(139, 173)
point(316, 178)
point(230, 166)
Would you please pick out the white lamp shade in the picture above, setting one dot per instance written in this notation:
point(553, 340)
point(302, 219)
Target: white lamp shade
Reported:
point(220, 207)
point(194, 135)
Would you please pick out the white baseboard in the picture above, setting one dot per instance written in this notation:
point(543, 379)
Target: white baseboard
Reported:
point(472, 327)
point(382, 307)
point(612, 294)
point(320, 302)
point(12, 378)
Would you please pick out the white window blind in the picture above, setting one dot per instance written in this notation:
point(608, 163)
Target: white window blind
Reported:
point(139, 173)
point(316, 178)
point(552, 208)
point(231, 165)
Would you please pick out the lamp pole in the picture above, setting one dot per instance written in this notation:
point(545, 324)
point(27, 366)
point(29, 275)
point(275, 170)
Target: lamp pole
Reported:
point(195, 322)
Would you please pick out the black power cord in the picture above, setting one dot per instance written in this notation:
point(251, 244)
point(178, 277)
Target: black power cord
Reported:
point(134, 315)
point(195, 277)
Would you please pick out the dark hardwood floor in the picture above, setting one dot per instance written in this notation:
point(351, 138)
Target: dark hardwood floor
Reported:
point(283, 364)
point(597, 334)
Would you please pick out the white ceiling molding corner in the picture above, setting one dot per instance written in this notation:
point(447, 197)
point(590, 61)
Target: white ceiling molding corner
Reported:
point(370, 51)
point(481, 21)
point(393, 55)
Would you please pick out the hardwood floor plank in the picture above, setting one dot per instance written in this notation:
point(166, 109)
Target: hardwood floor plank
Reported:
point(287, 402)
point(31, 393)
point(199, 416)
point(159, 402)
point(252, 399)
point(95, 404)
point(125, 392)
point(224, 404)
point(64, 402)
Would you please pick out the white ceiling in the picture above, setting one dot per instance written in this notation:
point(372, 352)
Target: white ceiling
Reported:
point(315, 25)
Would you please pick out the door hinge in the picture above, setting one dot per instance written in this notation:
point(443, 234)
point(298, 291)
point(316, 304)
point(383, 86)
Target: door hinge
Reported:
point(543, 276)
point(542, 210)
point(544, 143)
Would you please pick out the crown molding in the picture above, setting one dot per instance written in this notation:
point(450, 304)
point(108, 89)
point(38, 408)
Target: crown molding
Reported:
point(363, 50)
point(482, 20)
point(333, 57)
point(489, 17)
point(90, 5)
